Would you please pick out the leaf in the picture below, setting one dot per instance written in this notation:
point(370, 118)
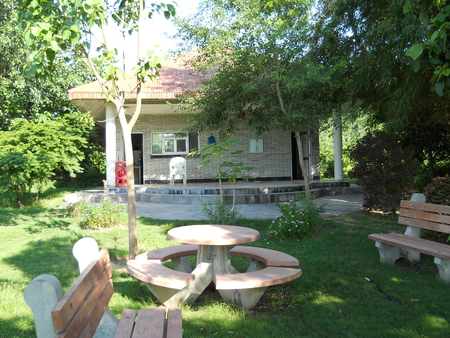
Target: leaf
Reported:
point(439, 88)
point(434, 36)
point(415, 50)
point(416, 65)
point(407, 7)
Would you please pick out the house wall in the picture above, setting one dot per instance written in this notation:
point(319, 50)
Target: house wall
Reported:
point(275, 162)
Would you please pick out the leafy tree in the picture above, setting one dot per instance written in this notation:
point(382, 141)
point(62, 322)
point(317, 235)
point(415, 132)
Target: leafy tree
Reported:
point(394, 89)
point(32, 152)
point(25, 97)
point(384, 169)
point(433, 48)
point(256, 52)
point(372, 37)
point(53, 27)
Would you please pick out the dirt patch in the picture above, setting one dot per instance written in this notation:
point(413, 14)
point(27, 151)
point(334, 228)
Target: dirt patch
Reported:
point(422, 267)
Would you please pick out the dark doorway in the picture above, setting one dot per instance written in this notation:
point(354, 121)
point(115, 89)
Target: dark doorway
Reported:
point(137, 142)
point(296, 169)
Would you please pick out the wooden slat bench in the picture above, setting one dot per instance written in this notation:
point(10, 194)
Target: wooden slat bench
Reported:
point(83, 310)
point(417, 216)
point(256, 279)
point(262, 258)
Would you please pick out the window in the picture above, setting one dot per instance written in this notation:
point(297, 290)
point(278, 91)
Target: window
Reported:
point(256, 145)
point(174, 143)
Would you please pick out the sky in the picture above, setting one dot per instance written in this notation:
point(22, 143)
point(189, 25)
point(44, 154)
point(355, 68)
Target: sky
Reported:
point(156, 30)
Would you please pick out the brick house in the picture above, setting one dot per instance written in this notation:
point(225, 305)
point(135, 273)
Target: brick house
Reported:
point(158, 134)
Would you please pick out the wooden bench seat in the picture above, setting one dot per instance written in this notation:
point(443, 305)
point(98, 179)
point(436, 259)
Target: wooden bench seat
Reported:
point(164, 254)
point(83, 310)
point(256, 279)
point(266, 256)
point(417, 216)
point(153, 272)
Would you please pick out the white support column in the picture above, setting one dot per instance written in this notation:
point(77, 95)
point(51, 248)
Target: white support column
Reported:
point(338, 166)
point(110, 144)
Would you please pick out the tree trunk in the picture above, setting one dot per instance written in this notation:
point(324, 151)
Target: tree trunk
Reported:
point(131, 192)
point(302, 163)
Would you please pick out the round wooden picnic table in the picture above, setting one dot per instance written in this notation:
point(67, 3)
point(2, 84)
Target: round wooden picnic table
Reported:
point(213, 234)
point(213, 256)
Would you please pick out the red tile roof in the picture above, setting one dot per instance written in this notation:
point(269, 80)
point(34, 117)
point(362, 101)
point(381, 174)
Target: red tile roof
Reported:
point(174, 79)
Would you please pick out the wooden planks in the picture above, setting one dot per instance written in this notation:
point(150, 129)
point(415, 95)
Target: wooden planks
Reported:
point(153, 272)
point(267, 256)
point(170, 252)
point(93, 280)
point(413, 243)
point(256, 279)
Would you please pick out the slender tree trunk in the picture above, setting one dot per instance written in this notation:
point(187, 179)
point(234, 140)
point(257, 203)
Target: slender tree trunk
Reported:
point(297, 138)
point(302, 162)
point(131, 191)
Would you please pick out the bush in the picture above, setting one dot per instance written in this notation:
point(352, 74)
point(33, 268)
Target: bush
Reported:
point(105, 215)
point(384, 169)
point(221, 212)
point(438, 191)
point(423, 176)
point(296, 220)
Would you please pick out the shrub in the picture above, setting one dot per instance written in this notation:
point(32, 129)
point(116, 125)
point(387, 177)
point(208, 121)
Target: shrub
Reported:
point(221, 212)
point(438, 191)
point(296, 220)
point(105, 215)
point(384, 169)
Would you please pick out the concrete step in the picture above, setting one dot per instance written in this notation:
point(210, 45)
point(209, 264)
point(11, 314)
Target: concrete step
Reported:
point(249, 194)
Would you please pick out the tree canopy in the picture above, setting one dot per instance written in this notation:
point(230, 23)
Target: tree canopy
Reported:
point(257, 56)
point(28, 97)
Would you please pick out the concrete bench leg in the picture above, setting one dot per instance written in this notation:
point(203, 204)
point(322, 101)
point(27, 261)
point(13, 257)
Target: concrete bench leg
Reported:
point(256, 265)
point(244, 299)
point(444, 268)
point(182, 264)
point(388, 253)
point(41, 295)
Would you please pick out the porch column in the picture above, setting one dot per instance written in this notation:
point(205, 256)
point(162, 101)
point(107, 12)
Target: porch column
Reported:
point(110, 144)
point(338, 167)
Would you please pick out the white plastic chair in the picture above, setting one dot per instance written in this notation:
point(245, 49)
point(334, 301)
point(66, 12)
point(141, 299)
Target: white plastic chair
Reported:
point(178, 167)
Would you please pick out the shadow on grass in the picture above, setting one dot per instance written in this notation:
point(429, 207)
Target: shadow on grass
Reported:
point(52, 256)
point(14, 328)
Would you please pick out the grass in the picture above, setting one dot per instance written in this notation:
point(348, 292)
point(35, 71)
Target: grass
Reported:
point(331, 299)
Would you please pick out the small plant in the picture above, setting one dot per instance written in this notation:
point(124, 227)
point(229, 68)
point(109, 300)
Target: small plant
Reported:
point(296, 220)
point(220, 212)
point(105, 215)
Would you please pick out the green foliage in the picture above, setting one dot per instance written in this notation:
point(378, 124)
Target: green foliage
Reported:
point(432, 49)
point(218, 152)
point(105, 215)
point(32, 152)
point(384, 170)
point(221, 212)
point(296, 220)
point(354, 127)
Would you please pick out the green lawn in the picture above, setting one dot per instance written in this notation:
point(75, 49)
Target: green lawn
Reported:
point(331, 299)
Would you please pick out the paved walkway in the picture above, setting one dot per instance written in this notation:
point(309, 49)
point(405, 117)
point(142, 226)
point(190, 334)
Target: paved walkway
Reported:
point(335, 205)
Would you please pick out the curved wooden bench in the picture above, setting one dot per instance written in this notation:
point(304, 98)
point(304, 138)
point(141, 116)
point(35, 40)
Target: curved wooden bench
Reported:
point(170, 252)
point(256, 279)
point(267, 256)
point(153, 272)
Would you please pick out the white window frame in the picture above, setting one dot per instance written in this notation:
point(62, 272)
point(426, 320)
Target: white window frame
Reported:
point(171, 136)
